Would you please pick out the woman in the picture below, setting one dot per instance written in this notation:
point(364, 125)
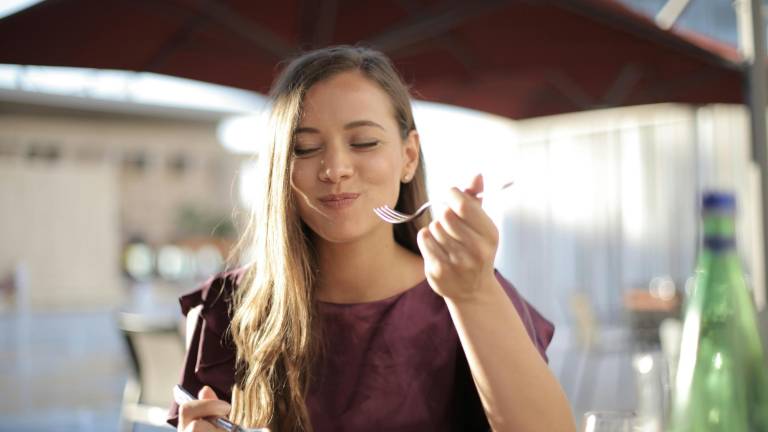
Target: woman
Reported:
point(343, 321)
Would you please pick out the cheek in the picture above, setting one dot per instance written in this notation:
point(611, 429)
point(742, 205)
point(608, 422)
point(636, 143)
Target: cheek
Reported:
point(383, 173)
point(300, 175)
point(381, 169)
point(300, 184)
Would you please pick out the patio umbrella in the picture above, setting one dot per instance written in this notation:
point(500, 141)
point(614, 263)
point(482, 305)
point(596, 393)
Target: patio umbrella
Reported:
point(515, 58)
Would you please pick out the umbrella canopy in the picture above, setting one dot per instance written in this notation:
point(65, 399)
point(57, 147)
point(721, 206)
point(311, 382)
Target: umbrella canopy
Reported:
point(515, 58)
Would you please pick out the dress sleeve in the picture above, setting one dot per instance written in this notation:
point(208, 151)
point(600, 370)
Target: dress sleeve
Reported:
point(539, 328)
point(210, 358)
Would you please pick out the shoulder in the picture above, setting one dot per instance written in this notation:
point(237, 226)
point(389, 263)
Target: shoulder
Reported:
point(210, 358)
point(214, 302)
point(215, 294)
point(540, 330)
point(214, 298)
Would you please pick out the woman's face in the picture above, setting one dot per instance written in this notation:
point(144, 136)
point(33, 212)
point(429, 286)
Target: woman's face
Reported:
point(349, 157)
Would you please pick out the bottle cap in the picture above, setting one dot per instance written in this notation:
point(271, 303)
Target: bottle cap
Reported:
point(718, 201)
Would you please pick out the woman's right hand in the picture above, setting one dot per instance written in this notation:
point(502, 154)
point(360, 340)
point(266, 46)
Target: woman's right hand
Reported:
point(193, 414)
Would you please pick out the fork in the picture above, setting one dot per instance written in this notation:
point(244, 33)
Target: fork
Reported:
point(395, 217)
point(181, 395)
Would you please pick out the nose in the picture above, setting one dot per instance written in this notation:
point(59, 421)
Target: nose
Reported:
point(335, 165)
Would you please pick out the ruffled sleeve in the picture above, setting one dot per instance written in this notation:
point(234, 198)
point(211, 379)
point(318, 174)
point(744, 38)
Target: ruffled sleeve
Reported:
point(539, 328)
point(210, 359)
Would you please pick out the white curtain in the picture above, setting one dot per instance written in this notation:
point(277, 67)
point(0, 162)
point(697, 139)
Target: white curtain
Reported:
point(603, 201)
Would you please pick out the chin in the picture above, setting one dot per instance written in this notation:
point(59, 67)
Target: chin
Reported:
point(342, 232)
point(340, 236)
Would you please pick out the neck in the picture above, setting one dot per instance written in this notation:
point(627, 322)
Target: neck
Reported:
point(362, 270)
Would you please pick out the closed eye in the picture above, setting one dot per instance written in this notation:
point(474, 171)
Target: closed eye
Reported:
point(365, 145)
point(301, 152)
point(304, 152)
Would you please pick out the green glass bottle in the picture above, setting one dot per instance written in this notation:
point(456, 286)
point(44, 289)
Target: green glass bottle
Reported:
point(722, 379)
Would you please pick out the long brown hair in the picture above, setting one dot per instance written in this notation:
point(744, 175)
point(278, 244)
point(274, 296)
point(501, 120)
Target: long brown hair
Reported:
point(273, 324)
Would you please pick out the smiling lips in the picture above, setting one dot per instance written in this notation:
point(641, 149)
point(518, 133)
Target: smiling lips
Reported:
point(339, 201)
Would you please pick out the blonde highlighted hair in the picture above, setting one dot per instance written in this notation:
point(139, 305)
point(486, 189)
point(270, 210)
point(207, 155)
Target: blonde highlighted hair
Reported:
point(273, 326)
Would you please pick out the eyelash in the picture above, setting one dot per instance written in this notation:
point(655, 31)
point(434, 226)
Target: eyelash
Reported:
point(306, 152)
point(303, 152)
point(366, 144)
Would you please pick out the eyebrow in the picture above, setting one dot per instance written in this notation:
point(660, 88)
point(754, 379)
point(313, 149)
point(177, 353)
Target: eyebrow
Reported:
point(350, 125)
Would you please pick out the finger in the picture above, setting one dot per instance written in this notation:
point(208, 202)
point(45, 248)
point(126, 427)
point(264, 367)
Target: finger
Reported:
point(431, 250)
point(207, 393)
point(468, 209)
point(450, 245)
point(475, 186)
point(458, 228)
point(200, 409)
point(201, 426)
point(446, 242)
point(457, 251)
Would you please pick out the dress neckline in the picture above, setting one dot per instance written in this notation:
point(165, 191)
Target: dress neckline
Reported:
point(382, 301)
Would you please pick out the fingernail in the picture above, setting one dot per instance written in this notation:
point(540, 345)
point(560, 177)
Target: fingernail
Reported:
point(202, 391)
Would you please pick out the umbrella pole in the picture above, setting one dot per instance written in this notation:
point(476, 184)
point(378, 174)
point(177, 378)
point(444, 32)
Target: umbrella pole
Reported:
point(752, 45)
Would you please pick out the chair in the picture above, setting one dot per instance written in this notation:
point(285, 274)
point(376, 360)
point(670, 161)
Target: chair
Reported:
point(156, 350)
point(594, 347)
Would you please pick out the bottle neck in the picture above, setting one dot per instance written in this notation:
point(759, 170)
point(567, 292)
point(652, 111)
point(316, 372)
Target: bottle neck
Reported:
point(719, 231)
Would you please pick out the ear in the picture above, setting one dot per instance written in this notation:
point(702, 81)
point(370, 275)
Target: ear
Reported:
point(411, 146)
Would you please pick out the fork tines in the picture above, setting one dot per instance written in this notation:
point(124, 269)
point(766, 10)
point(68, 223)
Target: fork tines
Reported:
point(389, 215)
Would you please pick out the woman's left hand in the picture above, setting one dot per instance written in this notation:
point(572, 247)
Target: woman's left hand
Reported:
point(459, 246)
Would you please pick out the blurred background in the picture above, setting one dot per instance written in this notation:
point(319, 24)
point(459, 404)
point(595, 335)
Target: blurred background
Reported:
point(129, 132)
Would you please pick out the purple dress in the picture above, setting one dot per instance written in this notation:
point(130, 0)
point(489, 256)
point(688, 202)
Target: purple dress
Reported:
point(391, 365)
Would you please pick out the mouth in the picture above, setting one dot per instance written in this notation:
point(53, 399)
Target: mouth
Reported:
point(338, 201)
